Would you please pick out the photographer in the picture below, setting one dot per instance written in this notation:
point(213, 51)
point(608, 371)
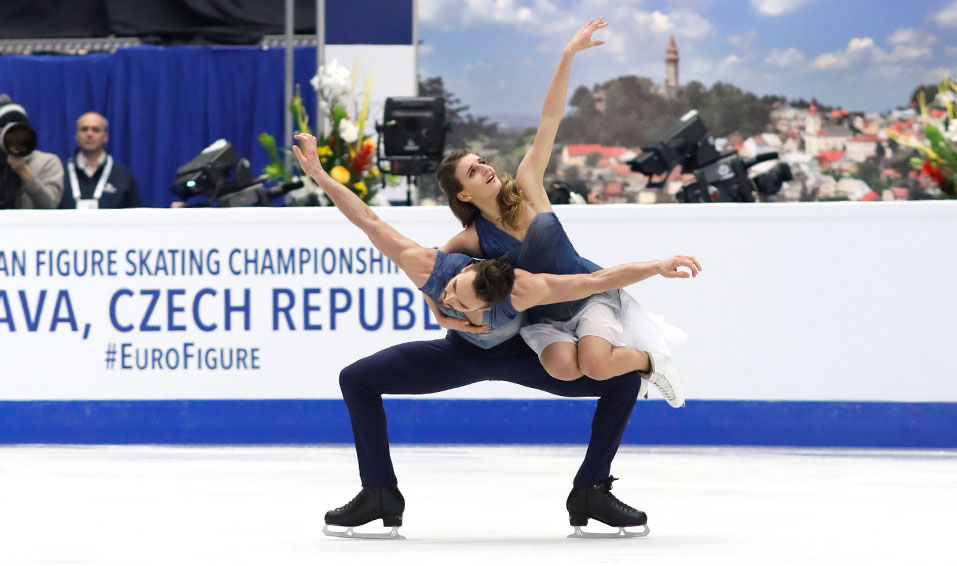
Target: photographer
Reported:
point(28, 178)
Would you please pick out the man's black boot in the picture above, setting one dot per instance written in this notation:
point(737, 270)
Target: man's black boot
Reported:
point(597, 502)
point(371, 503)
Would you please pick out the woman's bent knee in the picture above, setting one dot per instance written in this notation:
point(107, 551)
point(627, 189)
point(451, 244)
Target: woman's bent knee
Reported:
point(560, 360)
point(564, 373)
point(595, 366)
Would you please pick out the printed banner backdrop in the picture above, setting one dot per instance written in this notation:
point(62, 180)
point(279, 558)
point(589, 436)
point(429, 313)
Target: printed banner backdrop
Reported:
point(810, 324)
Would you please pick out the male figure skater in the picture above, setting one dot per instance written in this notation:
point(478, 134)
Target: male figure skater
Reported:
point(461, 358)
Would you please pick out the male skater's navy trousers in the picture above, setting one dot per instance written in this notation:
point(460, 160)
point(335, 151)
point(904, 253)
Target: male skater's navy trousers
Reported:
point(439, 365)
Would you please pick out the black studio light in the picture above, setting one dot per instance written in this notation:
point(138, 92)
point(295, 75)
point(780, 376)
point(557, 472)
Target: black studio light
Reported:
point(413, 134)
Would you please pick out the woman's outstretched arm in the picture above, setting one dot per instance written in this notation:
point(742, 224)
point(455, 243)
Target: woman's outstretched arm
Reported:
point(531, 171)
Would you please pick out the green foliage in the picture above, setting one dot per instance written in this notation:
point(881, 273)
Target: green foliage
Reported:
point(942, 146)
point(583, 99)
point(637, 114)
point(870, 173)
point(465, 130)
point(463, 126)
point(276, 169)
point(929, 90)
point(299, 115)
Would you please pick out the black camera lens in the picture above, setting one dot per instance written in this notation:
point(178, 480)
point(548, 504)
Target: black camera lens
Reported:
point(18, 139)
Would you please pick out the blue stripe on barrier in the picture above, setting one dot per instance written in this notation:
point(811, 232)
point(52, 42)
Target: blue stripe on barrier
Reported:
point(448, 421)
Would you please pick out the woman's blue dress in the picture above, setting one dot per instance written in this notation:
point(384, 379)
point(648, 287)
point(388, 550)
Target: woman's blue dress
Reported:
point(546, 249)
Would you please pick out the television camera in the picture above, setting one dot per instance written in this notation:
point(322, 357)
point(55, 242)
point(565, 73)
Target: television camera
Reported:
point(719, 176)
point(208, 174)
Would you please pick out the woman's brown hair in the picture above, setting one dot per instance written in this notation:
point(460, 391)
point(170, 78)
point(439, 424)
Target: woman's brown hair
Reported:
point(511, 199)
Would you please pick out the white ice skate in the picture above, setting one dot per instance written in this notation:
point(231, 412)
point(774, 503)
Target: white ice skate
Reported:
point(665, 376)
point(350, 532)
point(623, 532)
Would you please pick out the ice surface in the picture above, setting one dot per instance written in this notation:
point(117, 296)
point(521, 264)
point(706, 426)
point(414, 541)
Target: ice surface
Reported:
point(488, 505)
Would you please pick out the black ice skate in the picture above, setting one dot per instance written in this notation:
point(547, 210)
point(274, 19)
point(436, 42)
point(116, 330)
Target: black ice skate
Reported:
point(384, 503)
point(597, 502)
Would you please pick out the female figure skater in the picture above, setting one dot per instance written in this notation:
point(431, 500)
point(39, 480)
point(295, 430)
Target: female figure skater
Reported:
point(603, 336)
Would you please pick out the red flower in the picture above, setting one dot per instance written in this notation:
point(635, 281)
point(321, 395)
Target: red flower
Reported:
point(933, 172)
point(362, 159)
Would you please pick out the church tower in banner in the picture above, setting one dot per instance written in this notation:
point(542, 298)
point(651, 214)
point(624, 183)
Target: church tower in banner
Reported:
point(671, 69)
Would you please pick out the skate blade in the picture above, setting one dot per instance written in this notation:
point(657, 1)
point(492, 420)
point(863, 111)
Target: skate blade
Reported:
point(351, 533)
point(622, 533)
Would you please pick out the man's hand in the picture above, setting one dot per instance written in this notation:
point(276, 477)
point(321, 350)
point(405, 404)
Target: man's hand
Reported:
point(461, 325)
point(20, 167)
point(669, 267)
point(451, 322)
point(307, 154)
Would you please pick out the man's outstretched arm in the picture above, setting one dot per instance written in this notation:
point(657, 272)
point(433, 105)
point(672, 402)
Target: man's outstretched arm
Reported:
point(415, 260)
point(533, 289)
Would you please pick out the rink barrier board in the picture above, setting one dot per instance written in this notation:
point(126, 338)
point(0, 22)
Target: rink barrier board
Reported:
point(464, 421)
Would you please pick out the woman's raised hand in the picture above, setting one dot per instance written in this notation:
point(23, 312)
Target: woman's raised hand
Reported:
point(582, 39)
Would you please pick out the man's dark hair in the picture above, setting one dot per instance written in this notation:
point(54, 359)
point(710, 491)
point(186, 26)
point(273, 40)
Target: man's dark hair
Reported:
point(493, 280)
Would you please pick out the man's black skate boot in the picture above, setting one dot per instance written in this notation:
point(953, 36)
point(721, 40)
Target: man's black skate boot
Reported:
point(371, 503)
point(597, 502)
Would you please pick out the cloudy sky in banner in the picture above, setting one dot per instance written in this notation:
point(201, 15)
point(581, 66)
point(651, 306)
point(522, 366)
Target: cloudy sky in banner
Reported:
point(499, 55)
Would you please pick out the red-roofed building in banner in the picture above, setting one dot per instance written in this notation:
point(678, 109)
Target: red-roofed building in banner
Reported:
point(611, 188)
point(903, 125)
point(577, 154)
point(860, 148)
point(621, 169)
point(895, 193)
point(614, 151)
point(829, 159)
point(828, 138)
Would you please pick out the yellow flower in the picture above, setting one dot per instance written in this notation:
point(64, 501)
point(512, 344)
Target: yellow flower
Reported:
point(340, 173)
point(369, 145)
point(324, 151)
point(361, 189)
point(911, 142)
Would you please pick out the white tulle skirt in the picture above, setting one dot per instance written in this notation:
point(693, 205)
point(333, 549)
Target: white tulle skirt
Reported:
point(613, 315)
